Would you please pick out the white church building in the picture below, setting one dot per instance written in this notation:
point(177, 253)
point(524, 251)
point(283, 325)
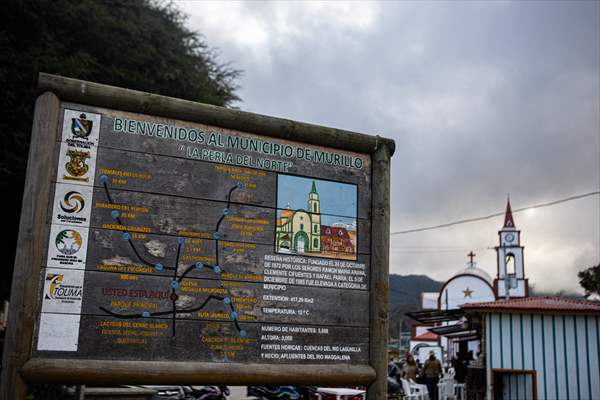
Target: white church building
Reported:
point(474, 285)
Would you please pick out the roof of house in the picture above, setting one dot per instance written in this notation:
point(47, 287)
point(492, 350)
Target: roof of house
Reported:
point(427, 336)
point(334, 231)
point(541, 303)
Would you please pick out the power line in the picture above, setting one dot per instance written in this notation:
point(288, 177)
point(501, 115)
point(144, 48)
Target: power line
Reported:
point(464, 221)
point(400, 250)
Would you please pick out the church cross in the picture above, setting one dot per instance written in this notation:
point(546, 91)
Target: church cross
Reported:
point(471, 255)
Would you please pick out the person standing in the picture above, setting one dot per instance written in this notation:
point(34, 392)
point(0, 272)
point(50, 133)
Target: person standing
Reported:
point(410, 369)
point(460, 364)
point(432, 371)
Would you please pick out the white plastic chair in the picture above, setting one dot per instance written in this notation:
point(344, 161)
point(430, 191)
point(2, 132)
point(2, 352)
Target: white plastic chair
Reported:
point(410, 391)
point(446, 390)
point(459, 389)
point(422, 389)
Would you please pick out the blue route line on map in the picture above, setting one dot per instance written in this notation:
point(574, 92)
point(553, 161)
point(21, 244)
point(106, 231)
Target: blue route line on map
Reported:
point(175, 283)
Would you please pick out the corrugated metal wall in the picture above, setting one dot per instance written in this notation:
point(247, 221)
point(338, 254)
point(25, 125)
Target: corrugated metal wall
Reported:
point(564, 350)
point(517, 387)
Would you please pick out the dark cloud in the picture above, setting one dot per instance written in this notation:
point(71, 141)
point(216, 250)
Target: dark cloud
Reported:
point(482, 99)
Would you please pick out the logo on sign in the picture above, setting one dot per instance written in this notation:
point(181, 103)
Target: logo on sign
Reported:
point(73, 202)
point(58, 289)
point(81, 127)
point(77, 166)
point(68, 242)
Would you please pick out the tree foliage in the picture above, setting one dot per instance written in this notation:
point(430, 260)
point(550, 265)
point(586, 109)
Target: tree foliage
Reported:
point(141, 44)
point(589, 279)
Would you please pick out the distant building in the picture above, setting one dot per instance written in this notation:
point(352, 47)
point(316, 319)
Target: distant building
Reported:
point(539, 347)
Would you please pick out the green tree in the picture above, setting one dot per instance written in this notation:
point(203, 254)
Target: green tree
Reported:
point(589, 279)
point(139, 44)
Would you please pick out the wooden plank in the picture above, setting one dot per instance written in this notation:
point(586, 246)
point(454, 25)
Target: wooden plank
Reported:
point(151, 339)
point(32, 232)
point(100, 95)
point(137, 133)
point(102, 372)
point(182, 216)
point(125, 294)
point(162, 174)
point(108, 252)
point(146, 213)
point(380, 237)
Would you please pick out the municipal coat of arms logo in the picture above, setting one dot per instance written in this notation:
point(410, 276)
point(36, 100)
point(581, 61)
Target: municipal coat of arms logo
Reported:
point(81, 127)
point(77, 166)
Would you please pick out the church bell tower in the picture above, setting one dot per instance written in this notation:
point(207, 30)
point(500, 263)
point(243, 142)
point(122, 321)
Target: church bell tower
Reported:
point(510, 281)
point(314, 208)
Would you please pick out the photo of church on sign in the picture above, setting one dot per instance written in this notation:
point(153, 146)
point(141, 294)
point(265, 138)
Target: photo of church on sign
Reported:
point(316, 218)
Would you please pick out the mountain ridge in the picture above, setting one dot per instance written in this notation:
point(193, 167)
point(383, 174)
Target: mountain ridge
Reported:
point(405, 296)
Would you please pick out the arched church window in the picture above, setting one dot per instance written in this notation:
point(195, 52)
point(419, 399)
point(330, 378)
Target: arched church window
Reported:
point(510, 264)
point(301, 227)
point(316, 243)
point(315, 207)
point(316, 229)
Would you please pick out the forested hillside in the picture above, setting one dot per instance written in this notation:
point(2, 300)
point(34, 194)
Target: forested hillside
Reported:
point(405, 296)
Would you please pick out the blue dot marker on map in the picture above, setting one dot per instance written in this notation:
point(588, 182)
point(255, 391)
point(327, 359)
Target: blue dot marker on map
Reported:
point(126, 236)
point(243, 333)
point(174, 284)
point(115, 214)
point(158, 266)
point(199, 265)
point(180, 240)
point(240, 185)
point(145, 314)
point(225, 211)
point(217, 269)
point(103, 178)
point(233, 315)
point(227, 300)
point(216, 235)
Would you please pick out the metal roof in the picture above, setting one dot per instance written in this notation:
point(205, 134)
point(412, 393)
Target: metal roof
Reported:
point(447, 329)
point(542, 303)
point(432, 316)
point(456, 331)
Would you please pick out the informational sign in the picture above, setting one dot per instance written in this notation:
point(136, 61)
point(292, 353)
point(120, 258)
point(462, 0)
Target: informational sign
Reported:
point(167, 241)
point(174, 240)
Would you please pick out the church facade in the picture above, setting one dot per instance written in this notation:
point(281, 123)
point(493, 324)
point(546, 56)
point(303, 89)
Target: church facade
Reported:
point(299, 231)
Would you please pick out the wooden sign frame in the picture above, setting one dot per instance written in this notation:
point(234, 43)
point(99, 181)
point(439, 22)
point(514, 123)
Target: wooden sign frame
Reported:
point(18, 366)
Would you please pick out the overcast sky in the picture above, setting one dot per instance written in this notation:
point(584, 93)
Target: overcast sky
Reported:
point(482, 99)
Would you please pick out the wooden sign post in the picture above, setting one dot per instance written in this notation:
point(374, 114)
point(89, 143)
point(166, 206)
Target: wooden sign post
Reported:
point(166, 241)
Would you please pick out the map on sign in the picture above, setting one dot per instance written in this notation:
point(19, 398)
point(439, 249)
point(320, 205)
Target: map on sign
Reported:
point(173, 240)
point(175, 283)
